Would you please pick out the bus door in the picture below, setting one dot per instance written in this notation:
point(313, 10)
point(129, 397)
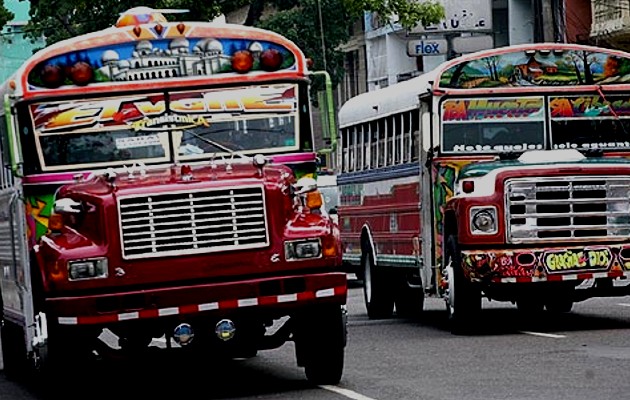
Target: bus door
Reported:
point(15, 284)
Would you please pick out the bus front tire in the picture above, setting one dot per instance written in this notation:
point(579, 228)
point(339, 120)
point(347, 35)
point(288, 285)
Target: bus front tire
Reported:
point(463, 302)
point(320, 341)
point(13, 351)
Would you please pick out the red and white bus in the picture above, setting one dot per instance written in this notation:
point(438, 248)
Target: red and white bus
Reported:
point(502, 174)
point(159, 181)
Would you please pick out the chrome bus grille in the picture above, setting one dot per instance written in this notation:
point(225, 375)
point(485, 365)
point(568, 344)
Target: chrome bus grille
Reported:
point(179, 223)
point(574, 208)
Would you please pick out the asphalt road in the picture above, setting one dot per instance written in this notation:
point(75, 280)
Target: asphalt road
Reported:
point(583, 355)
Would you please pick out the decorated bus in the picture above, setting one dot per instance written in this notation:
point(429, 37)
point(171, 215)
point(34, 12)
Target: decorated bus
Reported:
point(159, 181)
point(502, 174)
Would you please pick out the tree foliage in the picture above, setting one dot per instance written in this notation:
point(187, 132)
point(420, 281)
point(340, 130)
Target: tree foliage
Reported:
point(5, 15)
point(318, 27)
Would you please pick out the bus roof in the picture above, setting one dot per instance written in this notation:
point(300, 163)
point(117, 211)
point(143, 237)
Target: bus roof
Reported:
point(148, 52)
point(535, 67)
point(396, 98)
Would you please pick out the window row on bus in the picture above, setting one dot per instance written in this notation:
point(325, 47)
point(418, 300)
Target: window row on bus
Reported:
point(384, 142)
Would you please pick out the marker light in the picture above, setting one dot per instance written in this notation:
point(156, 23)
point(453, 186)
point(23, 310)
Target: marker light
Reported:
point(225, 329)
point(242, 61)
point(52, 76)
point(329, 246)
point(468, 186)
point(186, 172)
point(81, 73)
point(314, 200)
point(183, 334)
point(270, 60)
point(55, 222)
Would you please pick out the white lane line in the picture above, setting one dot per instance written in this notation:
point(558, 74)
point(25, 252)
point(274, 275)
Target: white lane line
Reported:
point(346, 392)
point(547, 335)
point(623, 304)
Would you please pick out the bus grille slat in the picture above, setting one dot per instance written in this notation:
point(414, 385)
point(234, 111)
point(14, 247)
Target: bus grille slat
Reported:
point(193, 222)
point(567, 209)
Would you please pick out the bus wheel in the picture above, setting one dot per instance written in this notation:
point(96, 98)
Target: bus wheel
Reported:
point(409, 300)
point(530, 306)
point(463, 300)
point(13, 351)
point(377, 290)
point(320, 341)
point(560, 301)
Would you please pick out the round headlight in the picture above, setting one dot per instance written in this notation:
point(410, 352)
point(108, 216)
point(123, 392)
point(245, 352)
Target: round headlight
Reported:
point(484, 221)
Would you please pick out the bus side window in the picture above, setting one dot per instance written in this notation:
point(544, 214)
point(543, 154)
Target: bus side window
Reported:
point(415, 128)
point(5, 161)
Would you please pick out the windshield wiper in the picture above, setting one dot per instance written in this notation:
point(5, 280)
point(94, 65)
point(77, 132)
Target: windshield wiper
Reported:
point(510, 155)
point(217, 145)
point(592, 152)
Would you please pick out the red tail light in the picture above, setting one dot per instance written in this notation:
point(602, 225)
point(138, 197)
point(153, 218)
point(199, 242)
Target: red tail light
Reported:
point(52, 76)
point(270, 60)
point(242, 61)
point(81, 73)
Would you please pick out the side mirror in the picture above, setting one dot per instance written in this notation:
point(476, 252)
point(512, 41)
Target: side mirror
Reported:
point(305, 185)
point(68, 206)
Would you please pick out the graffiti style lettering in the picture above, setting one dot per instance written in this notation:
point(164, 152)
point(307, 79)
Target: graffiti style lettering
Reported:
point(123, 111)
point(588, 106)
point(480, 109)
point(579, 260)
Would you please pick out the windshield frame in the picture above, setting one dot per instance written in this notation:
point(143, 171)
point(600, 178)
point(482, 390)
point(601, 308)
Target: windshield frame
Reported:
point(160, 118)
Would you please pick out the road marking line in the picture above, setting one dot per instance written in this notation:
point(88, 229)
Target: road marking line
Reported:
point(548, 335)
point(346, 392)
point(623, 304)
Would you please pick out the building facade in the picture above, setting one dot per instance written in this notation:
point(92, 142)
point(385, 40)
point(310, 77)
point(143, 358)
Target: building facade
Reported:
point(382, 53)
point(15, 48)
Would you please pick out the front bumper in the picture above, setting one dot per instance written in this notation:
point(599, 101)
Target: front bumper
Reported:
point(270, 294)
point(548, 264)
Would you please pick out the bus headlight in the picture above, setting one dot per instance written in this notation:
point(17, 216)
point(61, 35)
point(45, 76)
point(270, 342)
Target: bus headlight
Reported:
point(95, 268)
point(483, 220)
point(302, 249)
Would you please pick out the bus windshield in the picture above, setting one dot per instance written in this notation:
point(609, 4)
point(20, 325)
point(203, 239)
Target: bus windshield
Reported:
point(513, 125)
point(164, 127)
point(493, 125)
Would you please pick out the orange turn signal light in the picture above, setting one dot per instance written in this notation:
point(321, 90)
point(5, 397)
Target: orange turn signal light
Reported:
point(55, 222)
point(329, 246)
point(314, 200)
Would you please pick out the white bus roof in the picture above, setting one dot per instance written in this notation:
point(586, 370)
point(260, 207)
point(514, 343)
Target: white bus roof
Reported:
point(399, 97)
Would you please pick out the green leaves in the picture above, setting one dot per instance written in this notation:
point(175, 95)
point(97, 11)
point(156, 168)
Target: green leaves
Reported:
point(318, 27)
point(5, 15)
point(409, 13)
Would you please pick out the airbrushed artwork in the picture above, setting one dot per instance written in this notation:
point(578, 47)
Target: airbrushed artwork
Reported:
point(538, 68)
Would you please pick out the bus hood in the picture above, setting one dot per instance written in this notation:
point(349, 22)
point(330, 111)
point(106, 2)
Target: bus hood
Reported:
point(543, 159)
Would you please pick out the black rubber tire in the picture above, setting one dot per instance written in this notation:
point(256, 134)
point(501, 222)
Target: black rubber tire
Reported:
point(464, 298)
point(530, 306)
point(14, 351)
point(408, 300)
point(378, 290)
point(560, 301)
point(320, 341)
